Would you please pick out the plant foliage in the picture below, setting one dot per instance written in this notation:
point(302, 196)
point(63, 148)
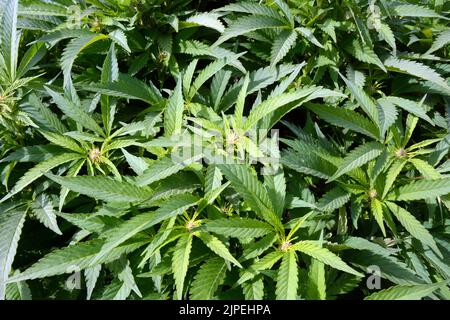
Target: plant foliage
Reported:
point(224, 150)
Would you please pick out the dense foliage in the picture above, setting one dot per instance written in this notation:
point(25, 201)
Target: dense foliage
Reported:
point(182, 149)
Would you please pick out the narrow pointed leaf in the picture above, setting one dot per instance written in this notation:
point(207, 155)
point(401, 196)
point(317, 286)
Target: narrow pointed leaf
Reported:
point(180, 262)
point(358, 157)
point(287, 278)
point(208, 278)
point(323, 255)
point(104, 188)
point(413, 226)
point(11, 223)
point(421, 189)
point(403, 292)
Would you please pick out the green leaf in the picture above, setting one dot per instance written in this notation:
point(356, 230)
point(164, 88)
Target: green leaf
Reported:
point(363, 99)
point(410, 106)
point(218, 86)
point(343, 284)
point(173, 117)
point(36, 153)
point(18, 291)
point(308, 163)
point(411, 123)
point(404, 292)
point(137, 164)
point(75, 112)
point(364, 53)
point(207, 19)
point(270, 120)
point(264, 263)
point(63, 141)
point(213, 178)
point(377, 211)
point(163, 168)
point(276, 188)
point(333, 199)
point(421, 189)
point(31, 57)
point(308, 34)
point(72, 172)
point(391, 175)
point(73, 258)
point(287, 277)
point(246, 183)
point(73, 49)
point(413, 10)
point(364, 244)
point(197, 48)
point(316, 285)
point(392, 268)
point(187, 76)
point(244, 228)
point(246, 24)
point(252, 8)
point(129, 88)
point(172, 207)
point(416, 69)
point(345, 118)
point(119, 37)
point(11, 223)
point(125, 276)
point(209, 71)
point(427, 170)
point(254, 290)
point(281, 46)
point(180, 262)
point(323, 255)
point(110, 69)
point(258, 79)
point(380, 165)
point(284, 84)
point(297, 223)
point(217, 247)
point(91, 276)
point(256, 248)
point(441, 40)
point(385, 33)
point(158, 240)
point(208, 278)
point(387, 114)
point(110, 72)
point(273, 103)
point(39, 170)
point(10, 37)
point(358, 157)
point(284, 7)
point(42, 208)
point(413, 226)
point(42, 115)
point(43, 9)
point(65, 33)
point(355, 76)
point(104, 188)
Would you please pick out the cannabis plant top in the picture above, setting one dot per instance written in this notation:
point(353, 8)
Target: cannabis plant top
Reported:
point(269, 149)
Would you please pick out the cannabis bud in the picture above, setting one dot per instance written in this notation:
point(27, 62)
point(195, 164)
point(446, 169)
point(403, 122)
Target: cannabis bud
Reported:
point(95, 155)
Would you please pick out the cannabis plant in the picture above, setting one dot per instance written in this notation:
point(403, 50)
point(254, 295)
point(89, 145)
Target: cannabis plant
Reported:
point(224, 150)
